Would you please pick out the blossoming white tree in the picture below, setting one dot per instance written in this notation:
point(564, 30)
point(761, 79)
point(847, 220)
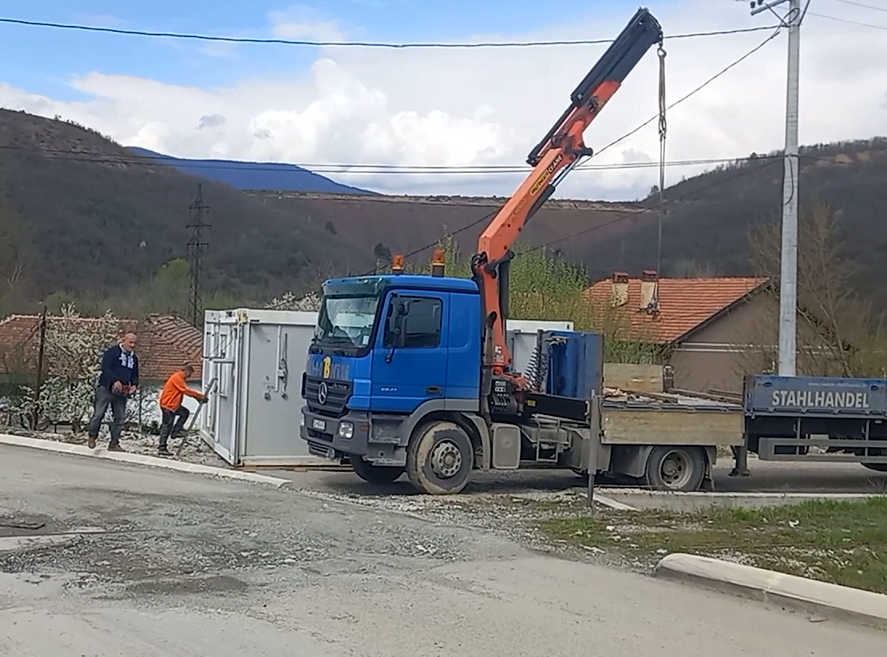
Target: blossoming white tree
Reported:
point(73, 350)
point(289, 301)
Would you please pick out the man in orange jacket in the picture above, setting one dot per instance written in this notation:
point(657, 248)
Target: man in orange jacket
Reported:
point(174, 414)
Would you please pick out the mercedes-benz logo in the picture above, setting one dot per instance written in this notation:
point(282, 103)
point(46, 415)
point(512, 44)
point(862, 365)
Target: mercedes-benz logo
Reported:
point(322, 393)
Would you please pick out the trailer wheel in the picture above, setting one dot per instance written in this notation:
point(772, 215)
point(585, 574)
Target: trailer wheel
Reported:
point(440, 458)
point(675, 468)
point(375, 474)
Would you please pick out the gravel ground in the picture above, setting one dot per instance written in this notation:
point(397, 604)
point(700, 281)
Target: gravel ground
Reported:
point(189, 565)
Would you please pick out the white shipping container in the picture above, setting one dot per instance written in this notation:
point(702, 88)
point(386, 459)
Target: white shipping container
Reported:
point(257, 358)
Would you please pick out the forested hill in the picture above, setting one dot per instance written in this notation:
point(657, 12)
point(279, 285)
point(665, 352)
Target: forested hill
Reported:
point(80, 214)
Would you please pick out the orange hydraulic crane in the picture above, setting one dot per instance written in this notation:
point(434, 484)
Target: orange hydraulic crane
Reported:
point(552, 159)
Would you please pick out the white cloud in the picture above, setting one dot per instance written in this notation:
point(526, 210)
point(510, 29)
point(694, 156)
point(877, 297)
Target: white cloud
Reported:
point(304, 23)
point(491, 106)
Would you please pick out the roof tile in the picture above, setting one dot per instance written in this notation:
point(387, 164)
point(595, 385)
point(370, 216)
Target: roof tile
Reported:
point(684, 304)
point(165, 343)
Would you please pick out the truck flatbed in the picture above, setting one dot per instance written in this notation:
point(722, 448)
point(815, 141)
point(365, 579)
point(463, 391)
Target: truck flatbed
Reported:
point(663, 418)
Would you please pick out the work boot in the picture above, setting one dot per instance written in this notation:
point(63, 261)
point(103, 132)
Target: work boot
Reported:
point(90, 443)
point(163, 451)
point(115, 448)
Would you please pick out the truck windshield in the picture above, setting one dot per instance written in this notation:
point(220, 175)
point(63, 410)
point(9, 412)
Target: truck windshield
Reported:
point(346, 321)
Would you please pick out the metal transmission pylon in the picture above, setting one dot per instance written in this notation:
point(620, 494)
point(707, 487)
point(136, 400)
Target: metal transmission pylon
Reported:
point(196, 249)
point(788, 277)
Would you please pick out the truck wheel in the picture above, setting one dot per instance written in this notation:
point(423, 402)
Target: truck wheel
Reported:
point(675, 468)
point(440, 458)
point(375, 474)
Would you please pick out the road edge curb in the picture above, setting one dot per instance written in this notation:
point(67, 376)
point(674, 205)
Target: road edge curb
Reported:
point(798, 593)
point(140, 459)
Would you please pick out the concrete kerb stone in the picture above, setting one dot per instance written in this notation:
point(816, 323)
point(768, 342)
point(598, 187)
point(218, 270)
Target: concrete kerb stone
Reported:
point(769, 495)
point(797, 593)
point(141, 459)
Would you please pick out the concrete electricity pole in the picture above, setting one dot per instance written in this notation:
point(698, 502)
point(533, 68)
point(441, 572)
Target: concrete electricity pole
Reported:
point(788, 279)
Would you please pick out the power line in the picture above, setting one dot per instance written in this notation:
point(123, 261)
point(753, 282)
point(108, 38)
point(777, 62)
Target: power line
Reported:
point(351, 44)
point(414, 169)
point(691, 93)
point(629, 215)
point(144, 160)
point(848, 21)
point(861, 4)
point(623, 215)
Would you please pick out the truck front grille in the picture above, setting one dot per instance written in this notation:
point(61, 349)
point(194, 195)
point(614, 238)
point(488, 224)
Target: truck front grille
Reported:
point(337, 394)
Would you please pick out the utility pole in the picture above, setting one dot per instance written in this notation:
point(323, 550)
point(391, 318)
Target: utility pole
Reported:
point(41, 354)
point(196, 247)
point(788, 277)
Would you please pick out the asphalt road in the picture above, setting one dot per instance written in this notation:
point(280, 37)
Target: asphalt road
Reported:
point(766, 477)
point(161, 564)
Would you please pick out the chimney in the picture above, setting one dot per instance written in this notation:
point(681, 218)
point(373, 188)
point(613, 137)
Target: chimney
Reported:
point(649, 281)
point(619, 291)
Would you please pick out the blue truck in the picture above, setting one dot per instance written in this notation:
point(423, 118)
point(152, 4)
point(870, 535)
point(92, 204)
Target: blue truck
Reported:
point(413, 373)
point(810, 418)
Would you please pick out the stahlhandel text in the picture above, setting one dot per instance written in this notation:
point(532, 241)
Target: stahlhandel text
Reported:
point(819, 399)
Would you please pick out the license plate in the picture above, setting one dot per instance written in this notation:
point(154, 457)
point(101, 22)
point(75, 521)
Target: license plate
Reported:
point(320, 425)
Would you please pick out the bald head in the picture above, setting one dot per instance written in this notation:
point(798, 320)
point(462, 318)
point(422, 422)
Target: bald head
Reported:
point(128, 343)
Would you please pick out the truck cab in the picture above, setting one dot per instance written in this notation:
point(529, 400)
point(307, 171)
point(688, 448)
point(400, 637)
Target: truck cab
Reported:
point(389, 350)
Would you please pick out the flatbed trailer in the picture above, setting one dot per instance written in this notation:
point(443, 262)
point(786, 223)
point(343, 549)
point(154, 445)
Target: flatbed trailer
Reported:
point(807, 418)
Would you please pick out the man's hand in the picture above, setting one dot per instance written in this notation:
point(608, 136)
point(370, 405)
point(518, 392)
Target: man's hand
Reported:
point(203, 400)
point(117, 387)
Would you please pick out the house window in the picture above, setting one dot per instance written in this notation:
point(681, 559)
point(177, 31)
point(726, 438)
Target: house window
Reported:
point(421, 324)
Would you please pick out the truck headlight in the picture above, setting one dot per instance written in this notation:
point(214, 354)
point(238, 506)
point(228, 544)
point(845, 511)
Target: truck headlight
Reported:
point(346, 430)
point(302, 419)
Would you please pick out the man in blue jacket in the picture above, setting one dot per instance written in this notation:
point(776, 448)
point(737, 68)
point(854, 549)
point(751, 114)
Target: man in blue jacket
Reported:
point(117, 383)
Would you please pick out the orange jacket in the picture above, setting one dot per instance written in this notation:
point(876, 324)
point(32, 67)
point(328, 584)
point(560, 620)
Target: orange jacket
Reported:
point(174, 390)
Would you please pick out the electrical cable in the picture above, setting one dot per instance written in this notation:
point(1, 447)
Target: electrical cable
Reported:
point(319, 168)
point(197, 165)
point(637, 213)
point(350, 44)
point(847, 21)
point(861, 4)
point(694, 91)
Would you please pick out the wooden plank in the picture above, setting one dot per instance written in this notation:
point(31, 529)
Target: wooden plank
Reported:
point(626, 426)
point(646, 378)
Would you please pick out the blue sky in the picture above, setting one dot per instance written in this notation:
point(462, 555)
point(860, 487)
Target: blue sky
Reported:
point(422, 107)
point(41, 60)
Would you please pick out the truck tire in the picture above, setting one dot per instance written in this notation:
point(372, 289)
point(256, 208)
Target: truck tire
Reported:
point(440, 458)
point(375, 474)
point(675, 468)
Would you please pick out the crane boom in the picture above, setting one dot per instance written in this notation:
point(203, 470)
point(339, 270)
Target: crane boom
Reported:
point(552, 159)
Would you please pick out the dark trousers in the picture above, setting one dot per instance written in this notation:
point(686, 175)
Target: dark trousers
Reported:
point(171, 423)
point(103, 399)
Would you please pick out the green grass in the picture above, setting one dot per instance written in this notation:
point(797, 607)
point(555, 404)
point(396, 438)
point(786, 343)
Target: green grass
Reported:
point(843, 542)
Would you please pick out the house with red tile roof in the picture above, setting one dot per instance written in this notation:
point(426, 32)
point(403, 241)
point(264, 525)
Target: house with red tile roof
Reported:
point(164, 343)
point(705, 322)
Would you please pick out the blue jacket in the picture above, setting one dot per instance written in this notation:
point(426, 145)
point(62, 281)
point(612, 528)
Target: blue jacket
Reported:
point(117, 365)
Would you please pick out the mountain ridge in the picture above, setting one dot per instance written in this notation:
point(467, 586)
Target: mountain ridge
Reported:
point(244, 174)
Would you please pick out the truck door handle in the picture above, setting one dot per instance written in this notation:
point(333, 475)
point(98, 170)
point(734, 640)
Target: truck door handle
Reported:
point(433, 390)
